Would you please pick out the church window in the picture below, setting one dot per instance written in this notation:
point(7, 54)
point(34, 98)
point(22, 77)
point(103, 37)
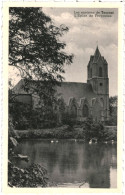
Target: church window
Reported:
point(90, 72)
point(94, 85)
point(85, 111)
point(100, 71)
point(73, 111)
point(93, 100)
point(102, 102)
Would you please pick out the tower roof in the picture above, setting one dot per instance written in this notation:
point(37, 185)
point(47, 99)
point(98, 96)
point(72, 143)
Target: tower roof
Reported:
point(96, 55)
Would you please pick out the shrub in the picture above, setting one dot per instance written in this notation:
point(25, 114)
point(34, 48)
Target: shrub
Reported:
point(67, 119)
point(33, 176)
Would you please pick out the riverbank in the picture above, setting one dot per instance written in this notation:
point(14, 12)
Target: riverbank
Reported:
point(102, 133)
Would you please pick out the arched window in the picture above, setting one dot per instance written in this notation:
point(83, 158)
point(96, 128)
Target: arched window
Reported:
point(94, 85)
point(90, 72)
point(100, 71)
point(85, 111)
point(73, 111)
point(102, 102)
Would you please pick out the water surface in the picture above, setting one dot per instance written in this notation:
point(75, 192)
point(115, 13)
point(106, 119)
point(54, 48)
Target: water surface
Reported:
point(73, 164)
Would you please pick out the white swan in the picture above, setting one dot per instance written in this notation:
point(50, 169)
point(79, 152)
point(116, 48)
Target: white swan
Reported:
point(112, 141)
point(52, 141)
point(90, 142)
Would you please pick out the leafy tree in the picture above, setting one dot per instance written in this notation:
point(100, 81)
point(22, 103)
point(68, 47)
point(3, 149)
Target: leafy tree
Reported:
point(36, 51)
point(113, 110)
point(113, 104)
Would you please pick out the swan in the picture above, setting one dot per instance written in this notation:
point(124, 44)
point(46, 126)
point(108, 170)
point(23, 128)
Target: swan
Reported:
point(52, 141)
point(90, 142)
point(112, 141)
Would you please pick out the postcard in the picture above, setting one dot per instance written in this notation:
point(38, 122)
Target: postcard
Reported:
point(62, 97)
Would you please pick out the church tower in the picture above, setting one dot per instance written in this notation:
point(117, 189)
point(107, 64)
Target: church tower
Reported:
point(98, 78)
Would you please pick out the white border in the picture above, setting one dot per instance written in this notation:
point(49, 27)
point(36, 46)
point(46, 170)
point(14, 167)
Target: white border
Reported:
point(7, 189)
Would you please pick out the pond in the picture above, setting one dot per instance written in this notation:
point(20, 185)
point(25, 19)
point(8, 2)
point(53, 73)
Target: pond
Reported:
point(73, 163)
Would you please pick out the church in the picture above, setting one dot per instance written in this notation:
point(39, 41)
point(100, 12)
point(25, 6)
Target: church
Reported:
point(83, 100)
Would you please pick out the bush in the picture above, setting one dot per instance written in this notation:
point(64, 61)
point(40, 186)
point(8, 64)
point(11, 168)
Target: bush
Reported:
point(93, 129)
point(84, 130)
point(67, 119)
point(33, 176)
point(21, 115)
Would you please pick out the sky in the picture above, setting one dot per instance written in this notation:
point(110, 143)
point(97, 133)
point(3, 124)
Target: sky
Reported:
point(84, 34)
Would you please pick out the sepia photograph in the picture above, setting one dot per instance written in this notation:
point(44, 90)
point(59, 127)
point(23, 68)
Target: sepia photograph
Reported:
point(62, 97)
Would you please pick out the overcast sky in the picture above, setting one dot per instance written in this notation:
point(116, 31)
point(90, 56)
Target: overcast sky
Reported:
point(82, 39)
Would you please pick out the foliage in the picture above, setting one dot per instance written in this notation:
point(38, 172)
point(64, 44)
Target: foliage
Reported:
point(97, 130)
point(24, 117)
point(21, 114)
point(69, 116)
point(33, 176)
point(85, 131)
point(68, 119)
point(36, 51)
point(93, 129)
point(113, 100)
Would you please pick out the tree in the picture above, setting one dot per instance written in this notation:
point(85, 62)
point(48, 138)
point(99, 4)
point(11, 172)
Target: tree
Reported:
point(113, 109)
point(112, 104)
point(36, 51)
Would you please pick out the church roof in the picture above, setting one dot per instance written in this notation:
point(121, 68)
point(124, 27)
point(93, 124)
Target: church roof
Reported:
point(67, 90)
point(75, 90)
point(18, 88)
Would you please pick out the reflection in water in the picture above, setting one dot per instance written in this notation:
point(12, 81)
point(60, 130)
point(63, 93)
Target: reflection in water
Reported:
point(74, 162)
